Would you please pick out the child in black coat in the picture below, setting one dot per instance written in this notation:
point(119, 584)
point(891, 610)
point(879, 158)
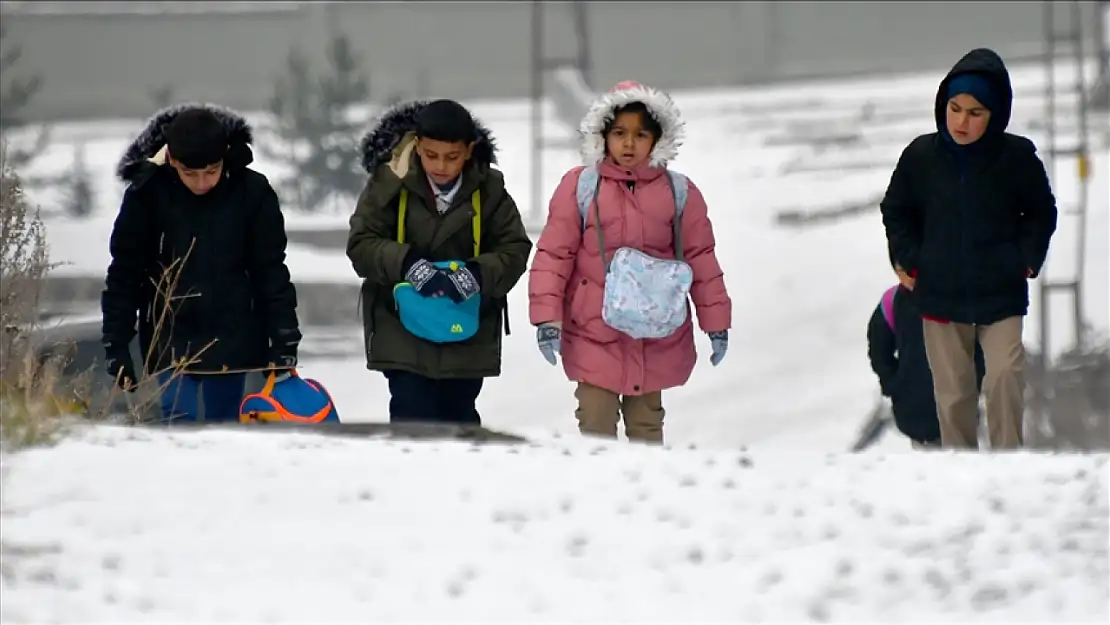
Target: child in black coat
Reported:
point(896, 348)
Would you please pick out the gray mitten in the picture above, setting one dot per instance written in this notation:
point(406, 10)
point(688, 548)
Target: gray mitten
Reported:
point(549, 337)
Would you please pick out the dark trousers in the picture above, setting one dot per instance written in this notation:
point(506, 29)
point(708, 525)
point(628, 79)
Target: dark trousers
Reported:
point(414, 397)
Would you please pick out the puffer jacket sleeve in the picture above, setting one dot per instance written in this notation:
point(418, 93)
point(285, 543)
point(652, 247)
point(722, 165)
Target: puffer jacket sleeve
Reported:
point(901, 214)
point(274, 292)
point(1038, 212)
point(133, 245)
point(710, 295)
point(371, 247)
point(556, 252)
point(506, 245)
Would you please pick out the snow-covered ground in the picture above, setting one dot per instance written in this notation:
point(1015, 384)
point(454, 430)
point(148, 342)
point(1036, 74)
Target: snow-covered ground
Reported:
point(138, 526)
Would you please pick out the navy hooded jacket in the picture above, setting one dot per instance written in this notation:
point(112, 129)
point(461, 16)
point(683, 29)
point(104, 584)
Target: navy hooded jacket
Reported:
point(972, 223)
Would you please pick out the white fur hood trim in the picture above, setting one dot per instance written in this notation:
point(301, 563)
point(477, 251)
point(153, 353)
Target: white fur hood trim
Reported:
point(657, 102)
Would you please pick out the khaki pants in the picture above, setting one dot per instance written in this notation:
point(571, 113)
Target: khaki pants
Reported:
point(950, 349)
point(600, 410)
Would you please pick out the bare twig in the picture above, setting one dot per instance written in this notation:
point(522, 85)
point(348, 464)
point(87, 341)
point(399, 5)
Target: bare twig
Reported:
point(166, 299)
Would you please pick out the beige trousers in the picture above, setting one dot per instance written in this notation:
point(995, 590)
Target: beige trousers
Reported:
point(599, 411)
point(950, 348)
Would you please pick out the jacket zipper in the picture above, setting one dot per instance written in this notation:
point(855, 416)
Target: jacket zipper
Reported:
point(965, 259)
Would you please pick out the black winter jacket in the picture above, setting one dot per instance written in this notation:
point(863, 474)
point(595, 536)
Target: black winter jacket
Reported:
point(971, 221)
point(898, 357)
point(232, 305)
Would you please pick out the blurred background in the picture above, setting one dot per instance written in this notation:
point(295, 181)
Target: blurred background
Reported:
point(797, 112)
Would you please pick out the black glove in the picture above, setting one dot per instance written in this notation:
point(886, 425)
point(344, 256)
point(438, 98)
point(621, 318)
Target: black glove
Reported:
point(426, 279)
point(283, 350)
point(121, 367)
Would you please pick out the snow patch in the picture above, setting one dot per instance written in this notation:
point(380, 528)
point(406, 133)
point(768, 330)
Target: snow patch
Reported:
point(146, 526)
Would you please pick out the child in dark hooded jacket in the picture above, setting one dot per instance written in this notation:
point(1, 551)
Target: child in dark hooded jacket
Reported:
point(969, 214)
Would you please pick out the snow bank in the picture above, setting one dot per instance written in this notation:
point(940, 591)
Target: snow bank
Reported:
point(130, 526)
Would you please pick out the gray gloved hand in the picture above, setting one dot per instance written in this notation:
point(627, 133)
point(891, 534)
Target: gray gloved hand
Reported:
point(549, 338)
point(719, 342)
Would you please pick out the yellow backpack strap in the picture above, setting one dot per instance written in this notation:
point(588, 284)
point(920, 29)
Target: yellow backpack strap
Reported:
point(476, 222)
point(401, 209)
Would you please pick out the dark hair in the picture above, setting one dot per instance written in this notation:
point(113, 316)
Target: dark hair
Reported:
point(197, 138)
point(447, 121)
point(650, 123)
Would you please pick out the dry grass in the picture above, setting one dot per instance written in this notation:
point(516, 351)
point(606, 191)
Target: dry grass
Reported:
point(39, 398)
point(1069, 402)
point(31, 396)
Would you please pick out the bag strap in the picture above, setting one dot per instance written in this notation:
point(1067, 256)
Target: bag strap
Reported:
point(271, 380)
point(402, 210)
point(679, 252)
point(585, 198)
point(597, 227)
point(475, 220)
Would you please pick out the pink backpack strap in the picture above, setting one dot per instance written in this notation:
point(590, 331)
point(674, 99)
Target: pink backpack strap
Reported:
point(887, 304)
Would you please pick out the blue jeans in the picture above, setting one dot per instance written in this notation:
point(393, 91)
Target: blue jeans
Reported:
point(222, 395)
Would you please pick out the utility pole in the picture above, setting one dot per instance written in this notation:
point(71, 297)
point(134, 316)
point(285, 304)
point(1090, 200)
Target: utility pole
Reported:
point(542, 65)
point(1100, 95)
point(1057, 40)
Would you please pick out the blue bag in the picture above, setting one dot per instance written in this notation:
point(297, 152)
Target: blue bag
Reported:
point(294, 399)
point(438, 319)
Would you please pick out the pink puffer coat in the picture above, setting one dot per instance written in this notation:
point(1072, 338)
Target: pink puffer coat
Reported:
point(566, 280)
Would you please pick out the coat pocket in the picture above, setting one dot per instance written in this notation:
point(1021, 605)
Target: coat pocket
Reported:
point(1020, 262)
point(585, 313)
point(925, 269)
point(1002, 268)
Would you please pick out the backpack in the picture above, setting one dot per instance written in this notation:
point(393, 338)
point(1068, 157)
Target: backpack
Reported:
point(294, 399)
point(887, 306)
point(644, 297)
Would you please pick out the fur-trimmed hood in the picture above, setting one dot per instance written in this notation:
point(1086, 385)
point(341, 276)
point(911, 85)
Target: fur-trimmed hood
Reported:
point(149, 146)
point(391, 140)
point(657, 102)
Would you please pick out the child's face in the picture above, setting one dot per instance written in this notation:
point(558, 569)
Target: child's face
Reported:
point(628, 142)
point(967, 119)
point(199, 181)
point(443, 161)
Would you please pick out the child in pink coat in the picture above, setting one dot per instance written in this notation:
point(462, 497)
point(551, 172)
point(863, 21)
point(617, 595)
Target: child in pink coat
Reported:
point(629, 135)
